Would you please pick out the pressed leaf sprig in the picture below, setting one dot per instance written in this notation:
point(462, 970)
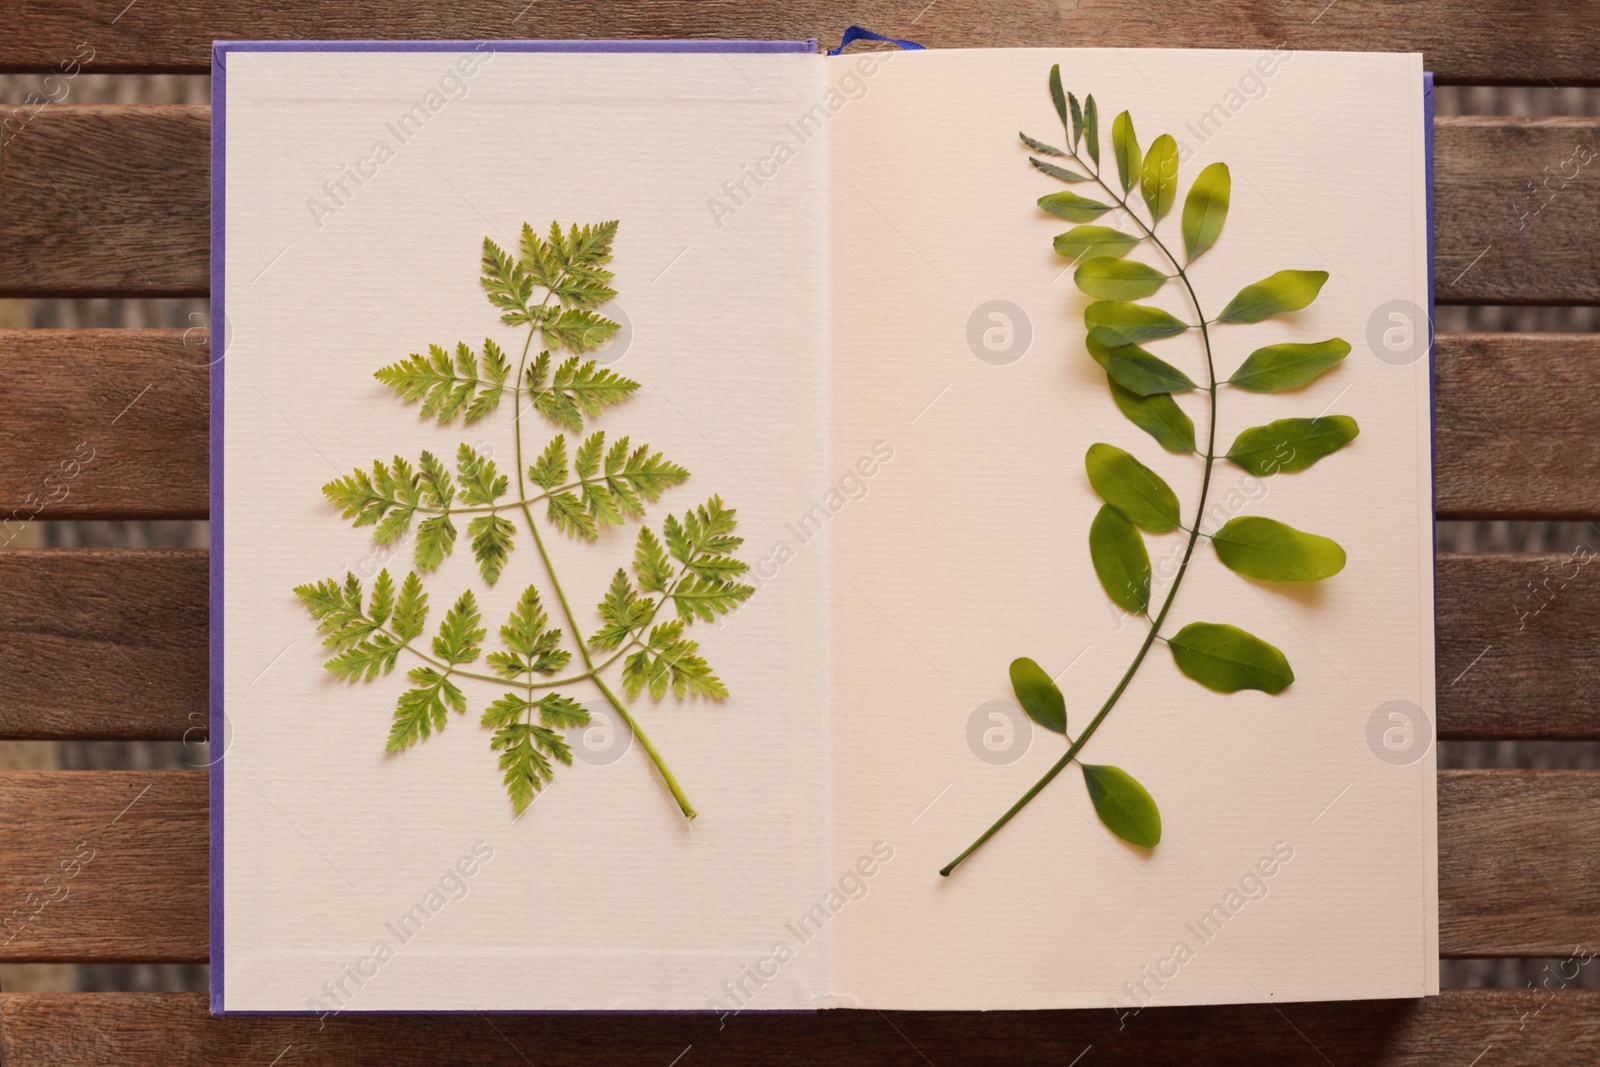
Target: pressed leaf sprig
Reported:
point(1218, 656)
point(553, 288)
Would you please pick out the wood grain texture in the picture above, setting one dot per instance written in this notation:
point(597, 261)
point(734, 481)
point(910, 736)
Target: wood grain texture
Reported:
point(1468, 41)
point(104, 644)
point(114, 201)
point(104, 865)
point(86, 633)
point(103, 424)
point(1517, 873)
point(1515, 425)
point(175, 1030)
point(1515, 648)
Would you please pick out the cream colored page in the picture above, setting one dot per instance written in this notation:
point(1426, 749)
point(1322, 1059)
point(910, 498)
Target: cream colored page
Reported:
point(602, 896)
point(962, 387)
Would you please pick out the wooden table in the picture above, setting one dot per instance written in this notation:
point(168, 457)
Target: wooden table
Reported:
point(102, 644)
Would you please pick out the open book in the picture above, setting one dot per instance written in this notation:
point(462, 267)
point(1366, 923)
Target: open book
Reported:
point(671, 500)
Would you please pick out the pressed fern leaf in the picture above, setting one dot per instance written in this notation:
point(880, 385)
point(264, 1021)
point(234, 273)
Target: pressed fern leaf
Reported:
point(623, 612)
point(449, 387)
point(668, 658)
point(569, 515)
point(527, 747)
point(574, 390)
point(701, 542)
point(387, 498)
point(507, 284)
point(481, 483)
point(411, 611)
point(337, 609)
point(460, 632)
point(650, 562)
point(424, 709)
point(550, 469)
point(492, 542)
point(570, 265)
point(534, 648)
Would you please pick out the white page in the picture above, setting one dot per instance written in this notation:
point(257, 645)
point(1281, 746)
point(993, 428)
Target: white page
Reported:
point(969, 548)
point(602, 896)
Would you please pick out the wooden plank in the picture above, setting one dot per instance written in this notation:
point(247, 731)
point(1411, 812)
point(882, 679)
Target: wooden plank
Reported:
point(104, 644)
point(1516, 652)
point(114, 201)
point(103, 424)
point(1515, 429)
point(175, 1030)
point(104, 865)
point(107, 201)
point(1515, 867)
point(111, 644)
point(1487, 41)
point(1514, 426)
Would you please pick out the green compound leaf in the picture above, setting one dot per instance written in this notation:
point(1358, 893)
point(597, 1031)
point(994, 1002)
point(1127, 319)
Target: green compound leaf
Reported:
point(578, 329)
point(508, 286)
point(436, 537)
point(411, 611)
point(1205, 209)
point(1120, 560)
point(534, 648)
point(1158, 178)
point(424, 709)
point(1118, 279)
point(1227, 659)
point(1290, 445)
point(1083, 243)
point(1278, 367)
point(493, 538)
point(1272, 551)
point(569, 265)
point(1123, 805)
point(650, 563)
point(623, 612)
point(447, 387)
point(1157, 415)
point(1125, 146)
point(550, 469)
point(1132, 488)
point(575, 390)
point(1039, 146)
point(460, 632)
point(1117, 322)
point(1287, 290)
point(481, 483)
point(1060, 173)
point(703, 543)
point(1138, 371)
point(1091, 128)
point(1072, 207)
point(569, 515)
point(388, 498)
point(1038, 695)
point(669, 659)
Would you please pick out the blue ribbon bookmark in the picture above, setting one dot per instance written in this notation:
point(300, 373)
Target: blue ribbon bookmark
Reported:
point(861, 33)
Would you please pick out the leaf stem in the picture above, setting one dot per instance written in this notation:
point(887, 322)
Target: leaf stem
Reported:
point(566, 607)
point(1188, 552)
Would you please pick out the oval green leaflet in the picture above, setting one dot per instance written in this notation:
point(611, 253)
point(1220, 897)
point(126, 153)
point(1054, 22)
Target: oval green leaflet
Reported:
point(1205, 209)
point(1117, 322)
point(1290, 445)
point(1120, 560)
point(1091, 128)
point(1091, 242)
point(1118, 279)
point(1072, 207)
point(1038, 695)
point(1287, 290)
point(1273, 551)
point(1126, 147)
point(1058, 98)
point(1132, 488)
point(1158, 177)
point(1125, 806)
point(1278, 367)
point(1227, 659)
point(1138, 371)
point(1157, 415)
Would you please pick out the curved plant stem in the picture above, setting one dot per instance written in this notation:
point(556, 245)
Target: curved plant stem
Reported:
point(572, 620)
point(1188, 552)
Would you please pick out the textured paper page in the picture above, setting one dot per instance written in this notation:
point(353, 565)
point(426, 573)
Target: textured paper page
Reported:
point(357, 881)
point(1297, 857)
